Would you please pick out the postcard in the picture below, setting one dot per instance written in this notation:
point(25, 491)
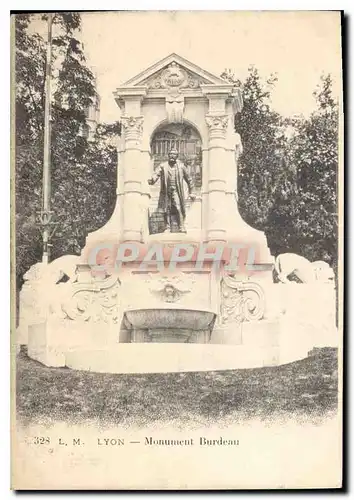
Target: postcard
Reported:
point(177, 250)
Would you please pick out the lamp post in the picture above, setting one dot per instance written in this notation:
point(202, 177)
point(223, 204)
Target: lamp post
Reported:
point(45, 214)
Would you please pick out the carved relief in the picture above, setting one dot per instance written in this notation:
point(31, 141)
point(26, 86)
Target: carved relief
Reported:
point(133, 126)
point(194, 82)
point(241, 301)
point(94, 302)
point(170, 288)
point(174, 106)
point(174, 76)
point(173, 79)
point(35, 306)
point(217, 122)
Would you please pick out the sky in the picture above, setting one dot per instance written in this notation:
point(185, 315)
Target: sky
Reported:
point(298, 46)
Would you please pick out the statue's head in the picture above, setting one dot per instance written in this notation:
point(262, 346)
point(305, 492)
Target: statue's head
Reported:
point(173, 155)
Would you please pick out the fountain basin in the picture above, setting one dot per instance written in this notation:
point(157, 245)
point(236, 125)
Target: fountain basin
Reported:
point(184, 319)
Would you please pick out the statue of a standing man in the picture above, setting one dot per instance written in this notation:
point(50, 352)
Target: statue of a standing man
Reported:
point(171, 201)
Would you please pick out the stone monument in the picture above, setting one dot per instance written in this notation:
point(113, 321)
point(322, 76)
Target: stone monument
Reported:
point(200, 315)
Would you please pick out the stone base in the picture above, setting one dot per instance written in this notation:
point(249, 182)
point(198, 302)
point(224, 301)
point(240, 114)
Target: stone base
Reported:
point(22, 334)
point(168, 358)
point(264, 343)
point(43, 345)
point(230, 336)
point(50, 341)
point(149, 331)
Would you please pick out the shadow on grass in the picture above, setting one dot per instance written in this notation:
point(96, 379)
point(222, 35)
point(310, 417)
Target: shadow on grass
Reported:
point(306, 390)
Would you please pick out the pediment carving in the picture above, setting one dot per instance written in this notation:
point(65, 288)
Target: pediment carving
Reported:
point(174, 77)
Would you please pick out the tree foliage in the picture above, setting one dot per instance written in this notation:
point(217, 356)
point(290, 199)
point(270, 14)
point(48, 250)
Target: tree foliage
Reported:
point(314, 152)
point(262, 166)
point(83, 172)
point(287, 184)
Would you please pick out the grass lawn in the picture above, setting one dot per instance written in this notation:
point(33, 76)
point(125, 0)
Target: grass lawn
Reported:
point(305, 389)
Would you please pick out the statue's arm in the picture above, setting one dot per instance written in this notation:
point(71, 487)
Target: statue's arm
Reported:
point(155, 177)
point(188, 180)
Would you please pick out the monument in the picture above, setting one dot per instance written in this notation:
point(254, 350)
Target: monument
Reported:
point(177, 190)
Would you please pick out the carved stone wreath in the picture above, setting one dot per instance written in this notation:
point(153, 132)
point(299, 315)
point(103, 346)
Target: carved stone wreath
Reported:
point(173, 77)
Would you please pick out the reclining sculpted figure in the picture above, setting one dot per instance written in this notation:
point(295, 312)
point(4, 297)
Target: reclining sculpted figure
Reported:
point(293, 265)
point(42, 292)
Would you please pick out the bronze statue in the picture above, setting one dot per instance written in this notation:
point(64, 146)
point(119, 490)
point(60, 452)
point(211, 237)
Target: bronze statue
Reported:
point(172, 201)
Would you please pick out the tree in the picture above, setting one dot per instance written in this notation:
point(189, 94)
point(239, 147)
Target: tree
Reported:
point(287, 184)
point(265, 179)
point(314, 153)
point(83, 171)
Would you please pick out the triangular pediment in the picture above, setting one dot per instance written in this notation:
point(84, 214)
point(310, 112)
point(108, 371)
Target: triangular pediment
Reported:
point(174, 71)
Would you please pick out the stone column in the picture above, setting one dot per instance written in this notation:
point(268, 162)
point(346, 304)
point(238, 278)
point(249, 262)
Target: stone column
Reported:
point(146, 170)
point(224, 101)
point(129, 100)
point(132, 223)
point(216, 188)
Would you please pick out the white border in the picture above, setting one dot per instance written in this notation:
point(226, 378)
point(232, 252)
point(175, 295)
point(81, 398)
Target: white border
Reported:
point(71, 5)
point(5, 159)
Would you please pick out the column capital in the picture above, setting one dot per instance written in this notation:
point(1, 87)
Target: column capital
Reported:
point(132, 126)
point(217, 124)
point(216, 121)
